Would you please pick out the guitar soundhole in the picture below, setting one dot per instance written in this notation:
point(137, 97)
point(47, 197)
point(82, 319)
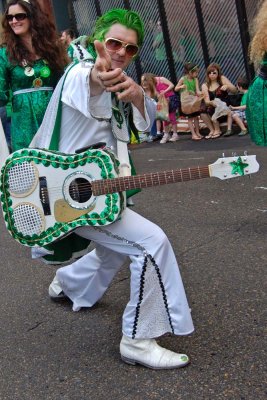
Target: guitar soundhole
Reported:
point(80, 190)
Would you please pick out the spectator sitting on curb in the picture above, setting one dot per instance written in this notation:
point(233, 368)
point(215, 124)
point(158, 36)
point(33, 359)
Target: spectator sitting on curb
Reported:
point(239, 112)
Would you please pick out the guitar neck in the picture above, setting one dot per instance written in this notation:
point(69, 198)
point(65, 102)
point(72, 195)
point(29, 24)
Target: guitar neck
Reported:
point(122, 184)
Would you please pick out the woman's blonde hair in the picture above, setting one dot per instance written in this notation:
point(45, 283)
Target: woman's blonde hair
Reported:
point(150, 80)
point(258, 44)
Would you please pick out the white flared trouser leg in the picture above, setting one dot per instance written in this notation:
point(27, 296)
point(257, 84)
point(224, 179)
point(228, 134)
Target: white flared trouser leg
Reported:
point(157, 302)
point(86, 280)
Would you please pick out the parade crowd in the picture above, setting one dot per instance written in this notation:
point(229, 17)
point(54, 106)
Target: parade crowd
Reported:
point(212, 103)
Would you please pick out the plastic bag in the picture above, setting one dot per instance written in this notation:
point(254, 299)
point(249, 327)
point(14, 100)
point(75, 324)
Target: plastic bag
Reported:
point(162, 111)
point(190, 103)
point(220, 109)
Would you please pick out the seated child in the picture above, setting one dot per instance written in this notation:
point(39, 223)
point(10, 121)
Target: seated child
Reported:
point(239, 112)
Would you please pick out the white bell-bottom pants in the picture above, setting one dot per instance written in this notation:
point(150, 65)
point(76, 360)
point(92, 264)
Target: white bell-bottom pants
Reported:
point(157, 302)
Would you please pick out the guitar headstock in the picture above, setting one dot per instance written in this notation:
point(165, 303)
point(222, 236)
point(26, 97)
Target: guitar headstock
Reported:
point(232, 167)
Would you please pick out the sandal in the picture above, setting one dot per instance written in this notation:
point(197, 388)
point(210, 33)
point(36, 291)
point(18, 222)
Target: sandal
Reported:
point(209, 136)
point(216, 135)
point(229, 132)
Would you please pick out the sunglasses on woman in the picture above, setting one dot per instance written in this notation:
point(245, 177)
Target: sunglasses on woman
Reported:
point(18, 17)
point(213, 73)
point(114, 45)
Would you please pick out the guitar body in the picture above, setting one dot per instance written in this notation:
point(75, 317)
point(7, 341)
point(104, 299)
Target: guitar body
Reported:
point(47, 194)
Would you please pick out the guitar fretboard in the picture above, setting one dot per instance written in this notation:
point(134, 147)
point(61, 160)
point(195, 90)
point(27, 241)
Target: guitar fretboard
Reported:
point(122, 184)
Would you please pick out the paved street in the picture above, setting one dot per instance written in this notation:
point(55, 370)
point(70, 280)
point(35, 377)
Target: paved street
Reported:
point(218, 230)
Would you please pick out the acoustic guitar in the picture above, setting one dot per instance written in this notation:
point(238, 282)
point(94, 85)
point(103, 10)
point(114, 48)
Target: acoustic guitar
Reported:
point(47, 194)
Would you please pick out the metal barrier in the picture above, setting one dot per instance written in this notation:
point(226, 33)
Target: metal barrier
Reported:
point(200, 31)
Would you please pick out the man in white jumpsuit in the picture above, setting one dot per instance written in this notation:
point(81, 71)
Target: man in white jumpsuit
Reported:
point(158, 303)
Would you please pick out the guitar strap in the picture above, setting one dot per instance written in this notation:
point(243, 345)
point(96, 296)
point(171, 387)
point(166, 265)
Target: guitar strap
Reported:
point(121, 133)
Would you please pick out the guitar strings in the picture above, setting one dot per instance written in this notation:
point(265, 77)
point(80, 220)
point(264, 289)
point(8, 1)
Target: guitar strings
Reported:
point(137, 181)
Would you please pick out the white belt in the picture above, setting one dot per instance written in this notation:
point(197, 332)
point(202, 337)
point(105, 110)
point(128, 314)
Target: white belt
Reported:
point(32, 90)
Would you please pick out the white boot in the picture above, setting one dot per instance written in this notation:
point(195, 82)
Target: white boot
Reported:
point(148, 353)
point(55, 290)
point(165, 138)
point(174, 137)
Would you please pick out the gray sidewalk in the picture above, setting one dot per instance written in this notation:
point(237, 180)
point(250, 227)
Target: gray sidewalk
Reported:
point(219, 233)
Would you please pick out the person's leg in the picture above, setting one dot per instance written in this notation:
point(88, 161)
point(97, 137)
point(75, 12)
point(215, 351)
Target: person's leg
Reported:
point(156, 281)
point(196, 124)
point(229, 121)
point(86, 280)
point(166, 135)
point(243, 132)
point(191, 124)
point(175, 136)
point(208, 122)
point(159, 126)
point(157, 302)
point(229, 131)
point(153, 131)
point(239, 122)
point(217, 130)
point(192, 128)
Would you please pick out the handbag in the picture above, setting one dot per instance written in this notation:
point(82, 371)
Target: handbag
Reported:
point(162, 110)
point(190, 103)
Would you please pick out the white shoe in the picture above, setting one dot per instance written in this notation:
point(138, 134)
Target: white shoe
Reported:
point(150, 139)
point(174, 138)
point(165, 138)
point(148, 353)
point(130, 202)
point(55, 291)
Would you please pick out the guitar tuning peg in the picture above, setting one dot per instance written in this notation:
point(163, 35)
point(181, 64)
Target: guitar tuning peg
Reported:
point(245, 155)
point(234, 154)
point(223, 156)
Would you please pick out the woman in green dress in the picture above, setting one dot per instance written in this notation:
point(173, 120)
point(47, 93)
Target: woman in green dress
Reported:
point(256, 110)
point(32, 59)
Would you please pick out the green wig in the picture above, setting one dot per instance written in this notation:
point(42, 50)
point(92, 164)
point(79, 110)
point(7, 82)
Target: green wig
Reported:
point(128, 18)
